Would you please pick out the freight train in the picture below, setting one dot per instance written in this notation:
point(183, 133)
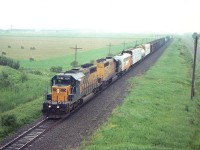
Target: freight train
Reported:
point(70, 89)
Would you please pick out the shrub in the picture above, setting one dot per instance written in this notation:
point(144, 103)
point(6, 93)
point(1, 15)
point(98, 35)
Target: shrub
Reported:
point(4, 80)
point(4, 75)
point(31, 59)
point(9, 120)
point(16, 65)
point(36, 72)
point(4, 61)
point(56, 69)
point(74, 63)
point(3, 53)
point(32, 48)
point(24, 77)
point(92, 61)
point(110, 54)
point(136, 45)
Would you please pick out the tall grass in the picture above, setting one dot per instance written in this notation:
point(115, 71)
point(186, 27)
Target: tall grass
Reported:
point(20, 88)
point(21, 97)
point(24, 113)
point(158, 113)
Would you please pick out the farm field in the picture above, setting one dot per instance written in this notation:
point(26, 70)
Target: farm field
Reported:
point(22, 91)
point(158, 112)
point(53, 49)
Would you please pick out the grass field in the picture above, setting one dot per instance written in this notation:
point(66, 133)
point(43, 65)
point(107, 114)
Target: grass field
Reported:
point(57, 44)
point(158, 113)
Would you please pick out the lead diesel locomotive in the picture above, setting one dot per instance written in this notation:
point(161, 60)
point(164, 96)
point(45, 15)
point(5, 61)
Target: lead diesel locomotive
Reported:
point(68, 89)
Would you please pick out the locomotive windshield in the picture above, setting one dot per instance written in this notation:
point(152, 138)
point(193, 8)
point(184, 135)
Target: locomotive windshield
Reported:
point(62, 82)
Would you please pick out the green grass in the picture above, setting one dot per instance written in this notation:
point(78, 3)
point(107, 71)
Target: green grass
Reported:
point(158, 113)
point(25, 113)
point(17, 91)
point(21, 96)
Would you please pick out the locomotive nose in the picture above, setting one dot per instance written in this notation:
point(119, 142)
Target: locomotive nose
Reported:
point(61, 94)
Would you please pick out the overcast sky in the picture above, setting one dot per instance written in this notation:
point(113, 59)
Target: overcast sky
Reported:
point(102, 15)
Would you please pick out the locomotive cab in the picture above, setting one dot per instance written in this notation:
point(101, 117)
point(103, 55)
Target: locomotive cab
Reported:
point(65, 90)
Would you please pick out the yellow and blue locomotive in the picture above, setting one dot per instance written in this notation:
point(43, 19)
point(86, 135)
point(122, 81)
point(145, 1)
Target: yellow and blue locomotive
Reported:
point(68, 89)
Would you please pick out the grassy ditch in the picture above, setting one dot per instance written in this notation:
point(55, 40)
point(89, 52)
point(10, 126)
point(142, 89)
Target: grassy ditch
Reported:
point(158, 113)
point(20, 98)
point(23, 114)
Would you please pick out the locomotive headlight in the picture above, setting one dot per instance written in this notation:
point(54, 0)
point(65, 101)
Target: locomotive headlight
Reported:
point(58, 106)
point(49, 106)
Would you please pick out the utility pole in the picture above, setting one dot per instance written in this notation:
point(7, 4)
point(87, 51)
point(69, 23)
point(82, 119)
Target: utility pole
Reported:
point(135, 42)
point(75, 48)
point(195, 36)
point(124, 44)
point(109, 48)
point(142, 41)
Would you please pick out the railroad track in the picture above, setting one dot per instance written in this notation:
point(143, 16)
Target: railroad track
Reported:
point(29, 136)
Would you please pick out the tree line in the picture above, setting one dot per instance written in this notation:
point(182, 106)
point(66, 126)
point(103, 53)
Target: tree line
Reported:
point(4, 61)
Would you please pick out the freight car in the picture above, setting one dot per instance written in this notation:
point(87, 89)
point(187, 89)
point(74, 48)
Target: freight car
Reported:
point(69, 89)
point(124, 62)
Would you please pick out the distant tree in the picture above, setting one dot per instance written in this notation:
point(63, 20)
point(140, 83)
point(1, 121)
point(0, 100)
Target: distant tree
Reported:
point(136, 45)
point(31, 59)
point(4, 61)
point(37, 72)
point(9, 46)
point(92, 61)
point(110, 54)
point(57, 69)
point(16, 65)
point(74, 63)
point(3, 53)
point(22, 47)
point(32, 48)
